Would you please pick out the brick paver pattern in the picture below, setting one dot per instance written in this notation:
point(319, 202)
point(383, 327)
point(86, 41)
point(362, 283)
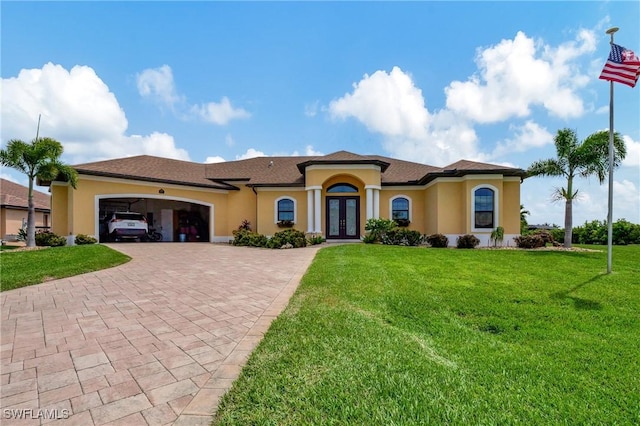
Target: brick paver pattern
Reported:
point(155, 341)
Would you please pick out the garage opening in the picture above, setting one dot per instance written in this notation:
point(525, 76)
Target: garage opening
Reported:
point(170, 220)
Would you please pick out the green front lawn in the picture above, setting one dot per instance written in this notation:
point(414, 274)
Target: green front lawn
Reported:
point(397, 335)
point(23, 268)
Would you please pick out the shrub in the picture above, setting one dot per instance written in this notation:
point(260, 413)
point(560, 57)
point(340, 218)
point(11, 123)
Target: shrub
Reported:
point(369, 239)
point(47, 238)
point(547, 237)
point(467, 241)
point(82, 239)
point(245, 237)
point(22, 234)
point(402, 237)
point(289, 236)
point(315, 239)
point(529, 241)
point(245, 225)
point(377, 228)
point(437, 240)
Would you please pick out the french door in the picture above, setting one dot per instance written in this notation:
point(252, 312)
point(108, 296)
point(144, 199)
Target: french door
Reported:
point(343, 217)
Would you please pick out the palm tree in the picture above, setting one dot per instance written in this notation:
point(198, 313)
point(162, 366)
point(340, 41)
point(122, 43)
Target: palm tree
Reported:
point(589, 158)
point(524, 225)
point(38, 159)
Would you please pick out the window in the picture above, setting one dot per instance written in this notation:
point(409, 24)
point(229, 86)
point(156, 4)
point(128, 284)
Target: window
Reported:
point(286, 208)
point(484, 206)
point(342, 187)
point(400, 208)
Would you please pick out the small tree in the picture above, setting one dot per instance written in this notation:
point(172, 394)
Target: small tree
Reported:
point(38, 159)
point(497, 235)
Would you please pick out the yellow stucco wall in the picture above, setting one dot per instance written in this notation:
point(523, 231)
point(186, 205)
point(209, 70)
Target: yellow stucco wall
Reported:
point(417, 206)
point(369, 175)
point(451, 207)
point(511, 207)
point(431, 208)
point(60, 209)
point(241, 206)
point(267, 223)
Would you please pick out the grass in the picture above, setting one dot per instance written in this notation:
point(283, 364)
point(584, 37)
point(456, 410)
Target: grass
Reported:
point(23, 268)
point(398, 335)
point(6, 247)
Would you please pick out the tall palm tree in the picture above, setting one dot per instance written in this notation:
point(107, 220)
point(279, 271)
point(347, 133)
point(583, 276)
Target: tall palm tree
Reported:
point(574, 159)
point(38, 159)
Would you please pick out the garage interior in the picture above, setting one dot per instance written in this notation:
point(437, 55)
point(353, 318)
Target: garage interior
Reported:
point(175, 220)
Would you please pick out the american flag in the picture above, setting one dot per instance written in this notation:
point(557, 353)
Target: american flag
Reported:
point(623, 66)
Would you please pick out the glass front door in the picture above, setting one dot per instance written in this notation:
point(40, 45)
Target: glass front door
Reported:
point(343, 217)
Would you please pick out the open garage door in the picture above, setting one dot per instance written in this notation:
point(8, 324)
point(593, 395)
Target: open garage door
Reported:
point(175, 220)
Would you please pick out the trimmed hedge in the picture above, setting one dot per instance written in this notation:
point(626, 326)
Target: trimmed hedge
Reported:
point(467, 241)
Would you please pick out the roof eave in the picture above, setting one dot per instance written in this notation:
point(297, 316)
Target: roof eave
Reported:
point(150, 179)
point(459, 173)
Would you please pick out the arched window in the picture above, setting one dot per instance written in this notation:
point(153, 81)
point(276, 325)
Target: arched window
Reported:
point(484, 208)
point(285, 209)
point(342, 187)
point(400, 208)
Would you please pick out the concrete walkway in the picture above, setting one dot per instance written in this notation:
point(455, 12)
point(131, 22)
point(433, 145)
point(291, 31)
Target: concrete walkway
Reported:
point(155, 341)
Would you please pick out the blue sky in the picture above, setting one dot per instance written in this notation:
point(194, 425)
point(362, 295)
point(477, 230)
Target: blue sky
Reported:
point(431, 82)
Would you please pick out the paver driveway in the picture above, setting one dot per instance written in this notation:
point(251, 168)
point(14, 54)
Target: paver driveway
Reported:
point(155, 341)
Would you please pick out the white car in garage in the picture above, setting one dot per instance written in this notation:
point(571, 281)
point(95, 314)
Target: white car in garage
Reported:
point(126, 225)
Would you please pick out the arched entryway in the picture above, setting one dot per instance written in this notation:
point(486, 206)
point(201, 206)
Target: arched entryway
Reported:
point(342, 214)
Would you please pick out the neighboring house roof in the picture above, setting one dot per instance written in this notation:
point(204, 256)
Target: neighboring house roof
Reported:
point(15, 195)
point(277, 171)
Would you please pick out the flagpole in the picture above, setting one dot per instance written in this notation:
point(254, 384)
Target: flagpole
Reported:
point(610, 31)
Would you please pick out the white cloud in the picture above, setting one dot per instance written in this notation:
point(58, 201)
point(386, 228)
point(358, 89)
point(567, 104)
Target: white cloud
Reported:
point(158, 83)
point(250, 153)
point(309, 151)
point(229, 141)
point(386, 103)
point(530, 135)
point(390, 104)
point(215, 159)
point(516, 74)
point(633, 152)
point(219, 113)
point(78, 110)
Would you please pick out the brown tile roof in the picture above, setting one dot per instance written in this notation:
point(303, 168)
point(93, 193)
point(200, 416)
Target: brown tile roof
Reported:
point(152, 169)
point(258, 171)
point(14, 195)
point(473, 165)
point(274, 171)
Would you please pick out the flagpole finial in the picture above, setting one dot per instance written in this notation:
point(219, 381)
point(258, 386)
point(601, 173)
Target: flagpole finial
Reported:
point(611, 31)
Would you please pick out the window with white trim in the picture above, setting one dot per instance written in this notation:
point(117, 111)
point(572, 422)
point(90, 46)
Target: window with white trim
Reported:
point(484, 208)
point(285, 210)
point(400, 208)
